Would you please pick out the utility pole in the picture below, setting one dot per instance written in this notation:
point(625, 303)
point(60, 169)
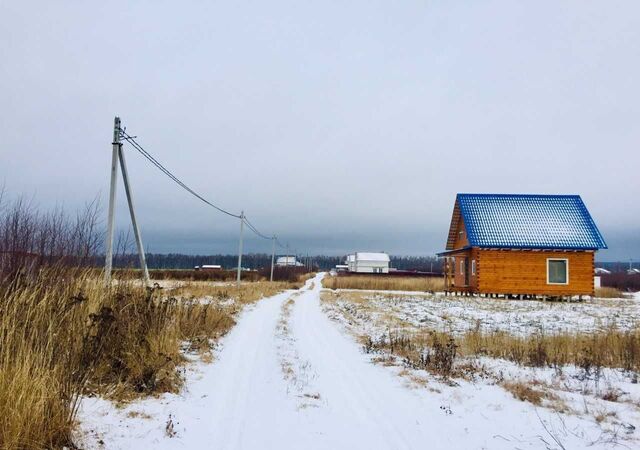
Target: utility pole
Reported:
point(134, 222)
point(117, 156)
point(273, 255)
point(240, 246)
point(112, 200)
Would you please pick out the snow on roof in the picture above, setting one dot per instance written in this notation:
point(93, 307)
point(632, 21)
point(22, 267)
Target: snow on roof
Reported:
point(528, 221)
point(366, 256)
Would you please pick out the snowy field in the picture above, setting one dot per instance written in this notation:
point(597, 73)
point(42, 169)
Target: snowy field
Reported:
point(460, 314)
point(293, 375)
point(603, 408)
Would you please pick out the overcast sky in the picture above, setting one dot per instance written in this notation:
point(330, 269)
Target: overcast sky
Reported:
point(339, 126)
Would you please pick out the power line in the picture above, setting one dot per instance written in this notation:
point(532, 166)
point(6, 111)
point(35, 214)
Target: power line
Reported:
point(119, 135)
point(255, 230)
point(166, 171)
point(280, 244)
point(131, 139)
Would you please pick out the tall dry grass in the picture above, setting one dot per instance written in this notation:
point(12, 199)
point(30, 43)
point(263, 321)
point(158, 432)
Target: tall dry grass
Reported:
point(384, 283)
point(437, 351)
point(608, 292)
point(612, 348)
point(64, 334)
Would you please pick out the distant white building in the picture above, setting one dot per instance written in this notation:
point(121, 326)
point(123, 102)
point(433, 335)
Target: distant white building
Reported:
point(601, 271)
point(365, 262)
point(286, 261)
point(208, 267)
point(341, 268)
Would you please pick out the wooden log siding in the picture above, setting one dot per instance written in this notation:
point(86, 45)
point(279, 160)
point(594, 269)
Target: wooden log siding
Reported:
point(525, 272)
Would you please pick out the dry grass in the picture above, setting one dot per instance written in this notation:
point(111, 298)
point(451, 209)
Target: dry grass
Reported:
point(384, 283)
point(437, 351)
point(590, 351)
point(608, 292)
point(247, 292)
point(63, 334)
point(524, 392)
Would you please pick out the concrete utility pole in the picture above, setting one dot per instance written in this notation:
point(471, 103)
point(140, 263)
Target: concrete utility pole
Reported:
point(132, 213)
point(118, 156)
point(273, 255)
point(112, 200)
point(240, 246)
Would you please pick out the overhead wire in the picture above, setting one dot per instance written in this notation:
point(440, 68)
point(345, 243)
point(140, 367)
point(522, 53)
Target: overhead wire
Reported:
point(255, 230)
point(131, 140)
point(166, 171)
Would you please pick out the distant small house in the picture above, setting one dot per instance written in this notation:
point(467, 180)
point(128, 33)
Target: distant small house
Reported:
point(341, 268)
point(208, 267)
point(287, 261)
point(365, 262)
point(541, 245)
point(633, 272)
point(601, 271)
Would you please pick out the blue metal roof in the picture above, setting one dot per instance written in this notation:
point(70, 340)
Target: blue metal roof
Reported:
point(529, 221)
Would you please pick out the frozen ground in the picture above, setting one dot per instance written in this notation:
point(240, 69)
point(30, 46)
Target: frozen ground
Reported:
point(289, 377)
point(459, 314)
point(608, 399)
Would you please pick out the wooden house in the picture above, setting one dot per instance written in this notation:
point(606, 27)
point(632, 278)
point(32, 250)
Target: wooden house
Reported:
point(526, 245)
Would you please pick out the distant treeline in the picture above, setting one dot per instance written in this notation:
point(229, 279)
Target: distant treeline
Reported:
point(259, 260)
point(616, 266)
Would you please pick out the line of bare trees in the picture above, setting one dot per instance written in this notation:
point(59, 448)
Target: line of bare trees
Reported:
point(31, 238)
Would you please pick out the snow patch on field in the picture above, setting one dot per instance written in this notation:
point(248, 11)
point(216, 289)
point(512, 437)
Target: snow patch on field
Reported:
point(460, 314)
point(600, 408)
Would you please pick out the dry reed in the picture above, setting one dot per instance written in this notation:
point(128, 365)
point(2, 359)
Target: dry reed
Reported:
point(608, 292)
point(384, 283)
point(435, 351)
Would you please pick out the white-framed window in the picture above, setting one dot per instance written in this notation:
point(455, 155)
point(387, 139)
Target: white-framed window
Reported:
point(473, 267)
point(557, 271)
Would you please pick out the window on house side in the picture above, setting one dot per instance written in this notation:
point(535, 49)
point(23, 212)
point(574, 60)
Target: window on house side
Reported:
point(473, 267)
point(557, 271)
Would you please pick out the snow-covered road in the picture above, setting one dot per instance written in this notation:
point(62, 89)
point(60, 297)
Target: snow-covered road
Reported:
point(287, 377)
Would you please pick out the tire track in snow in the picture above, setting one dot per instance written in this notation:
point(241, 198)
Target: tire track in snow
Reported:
point(298, 372)
point(367, 407)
